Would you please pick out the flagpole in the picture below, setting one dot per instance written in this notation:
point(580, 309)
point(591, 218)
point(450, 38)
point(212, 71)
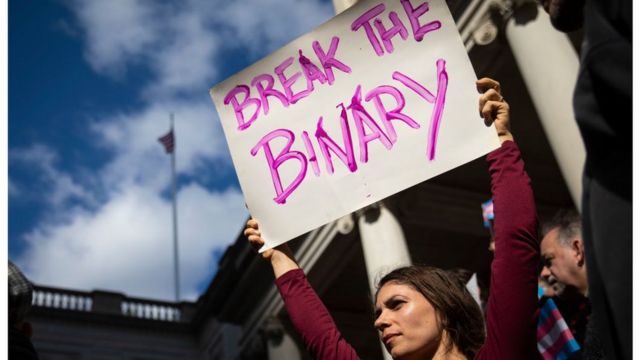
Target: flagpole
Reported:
point(176, 271)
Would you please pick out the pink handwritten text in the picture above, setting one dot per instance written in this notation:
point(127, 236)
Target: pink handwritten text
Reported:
point(367, 131)
point(247, 107)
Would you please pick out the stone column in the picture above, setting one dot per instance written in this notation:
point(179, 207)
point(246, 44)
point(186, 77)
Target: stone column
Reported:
point(383, 245)
point(383, 242)
point(549, 65)
point(280, 345)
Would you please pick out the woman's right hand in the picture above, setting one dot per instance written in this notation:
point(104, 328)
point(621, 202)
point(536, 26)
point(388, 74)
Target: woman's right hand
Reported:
point(281, 257)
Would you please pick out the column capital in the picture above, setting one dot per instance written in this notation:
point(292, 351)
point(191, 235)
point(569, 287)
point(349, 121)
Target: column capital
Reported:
point(370, 213)
point(346, 224)
point(481, 21)
point(272, 330)
point(280, 345)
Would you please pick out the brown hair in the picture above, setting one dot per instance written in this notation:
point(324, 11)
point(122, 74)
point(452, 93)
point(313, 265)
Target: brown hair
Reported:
point(458, 313)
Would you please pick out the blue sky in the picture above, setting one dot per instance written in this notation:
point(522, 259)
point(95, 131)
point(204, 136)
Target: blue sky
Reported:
point(91, 86)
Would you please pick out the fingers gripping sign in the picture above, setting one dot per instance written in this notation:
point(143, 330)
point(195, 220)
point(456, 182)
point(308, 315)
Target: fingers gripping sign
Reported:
point(280, 257)
point(493, 108)
point(252, 232)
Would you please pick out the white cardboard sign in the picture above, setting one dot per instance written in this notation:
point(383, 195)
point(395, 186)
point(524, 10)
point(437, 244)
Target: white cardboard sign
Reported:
point(378, 99)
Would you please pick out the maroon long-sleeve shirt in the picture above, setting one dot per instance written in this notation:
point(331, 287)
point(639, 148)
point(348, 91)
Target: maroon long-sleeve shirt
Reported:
point(511, 317)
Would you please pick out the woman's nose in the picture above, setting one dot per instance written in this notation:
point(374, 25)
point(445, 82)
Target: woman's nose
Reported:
point(381, 321)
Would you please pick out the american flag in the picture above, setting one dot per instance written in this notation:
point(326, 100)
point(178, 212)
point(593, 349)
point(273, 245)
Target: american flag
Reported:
point(555, 340)
point(168, 142)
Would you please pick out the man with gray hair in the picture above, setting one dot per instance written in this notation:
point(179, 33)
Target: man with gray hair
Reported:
point(562, 252)
point(565, 269)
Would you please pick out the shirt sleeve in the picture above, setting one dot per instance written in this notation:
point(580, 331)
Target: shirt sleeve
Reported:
point(312, 319)
point(511, 312)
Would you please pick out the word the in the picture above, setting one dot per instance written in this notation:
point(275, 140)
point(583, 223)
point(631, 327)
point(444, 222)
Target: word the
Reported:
point(398, 28)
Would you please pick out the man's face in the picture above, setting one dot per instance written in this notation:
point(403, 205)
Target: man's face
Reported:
point(560, 261)
point(566, 15)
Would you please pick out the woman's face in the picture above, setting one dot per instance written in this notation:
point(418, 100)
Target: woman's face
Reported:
point(406, 322)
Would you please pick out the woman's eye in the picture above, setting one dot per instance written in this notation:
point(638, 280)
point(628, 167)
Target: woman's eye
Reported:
point(396, 304)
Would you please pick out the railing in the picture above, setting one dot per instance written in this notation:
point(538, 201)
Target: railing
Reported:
point(62, 299)
point(111, 303)
point(149, 310)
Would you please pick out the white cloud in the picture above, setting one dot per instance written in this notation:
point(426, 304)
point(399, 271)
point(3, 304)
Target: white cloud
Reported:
point(207, 221)
point(60, 187)
point(117, 31)
point(187, 62)
point(122, 242)
point(181, 43)
point(268, 24)
point(127, 245)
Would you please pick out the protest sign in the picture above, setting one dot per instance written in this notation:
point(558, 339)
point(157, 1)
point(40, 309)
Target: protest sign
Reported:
point(376, 100)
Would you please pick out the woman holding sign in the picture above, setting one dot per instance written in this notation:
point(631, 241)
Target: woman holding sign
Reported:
point(423, 312)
